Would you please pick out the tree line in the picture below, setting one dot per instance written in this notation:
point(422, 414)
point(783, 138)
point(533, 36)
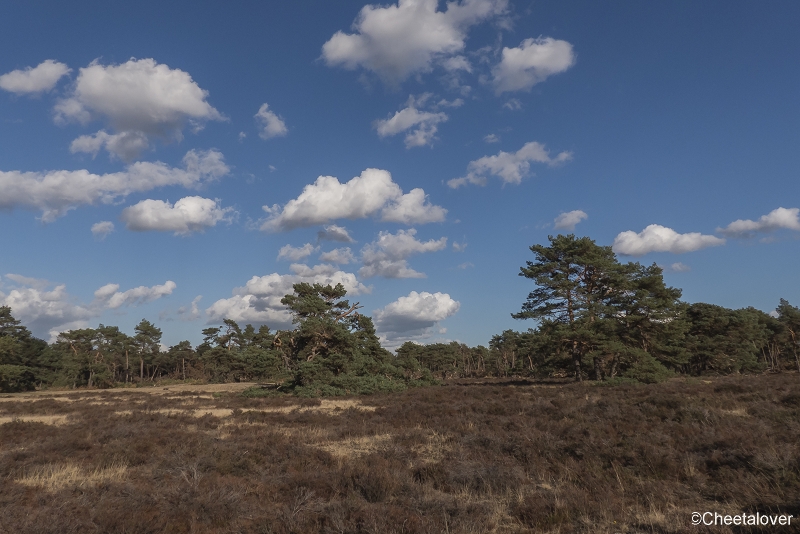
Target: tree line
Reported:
point(594, 318)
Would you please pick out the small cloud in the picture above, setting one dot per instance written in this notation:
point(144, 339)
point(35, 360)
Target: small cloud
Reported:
point(677, 268)
point(780, 218)
point(272, 168)
point(102, 229)
point(510, 167)
point(33, 80)
point(568, 220)
point(270, 125)
point(513, 104)
point(333, 232)
point(492, 138)
point(466, 265)
point(288, 252)
point(341, 256)
point(657, 238)
point(242, 136)
point(459, 247)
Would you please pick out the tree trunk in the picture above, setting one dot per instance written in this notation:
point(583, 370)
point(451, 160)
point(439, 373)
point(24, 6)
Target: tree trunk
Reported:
point(576, 361)
point(598, 369)
point(141, 369)
point(184, 369)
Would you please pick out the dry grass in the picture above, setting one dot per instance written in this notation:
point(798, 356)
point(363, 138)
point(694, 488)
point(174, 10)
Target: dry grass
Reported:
point(483, 456)
point(52, 477)
point(46, 419)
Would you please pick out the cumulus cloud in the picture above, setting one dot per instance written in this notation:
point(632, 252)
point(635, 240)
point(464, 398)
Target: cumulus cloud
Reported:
point(57, 192)
point(509, 167)
point(420, 125)
point(269, 124)
point(126, 145)
point(777, 219)
point(569, 219)
point(398, 40)
point(657, 238)
point(32, 80)
point(388, 255)
point(109, 296)
point(259, 300)
point(341, 256)
point(491, 138)
point(533, 61)
point(187, 215)
point(366, 195)
point(288, 252)
point(332, 232)
point(140, 99)
point(415, 314)
point(102, 229)
point(50, 311)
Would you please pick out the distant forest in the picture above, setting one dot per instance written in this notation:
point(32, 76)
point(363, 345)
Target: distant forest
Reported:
point(594, 318)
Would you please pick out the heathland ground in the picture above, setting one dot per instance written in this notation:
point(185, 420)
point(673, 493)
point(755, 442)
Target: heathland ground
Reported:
point(491, 455)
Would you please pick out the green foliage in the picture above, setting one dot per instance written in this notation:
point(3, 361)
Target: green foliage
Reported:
point(648, 370)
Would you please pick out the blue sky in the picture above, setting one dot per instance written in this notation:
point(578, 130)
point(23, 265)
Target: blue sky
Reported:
point(185, 162)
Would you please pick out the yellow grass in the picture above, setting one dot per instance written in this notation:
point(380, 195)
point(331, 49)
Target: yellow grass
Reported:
point(56, 476)
point(46, 419)
point(355, 447)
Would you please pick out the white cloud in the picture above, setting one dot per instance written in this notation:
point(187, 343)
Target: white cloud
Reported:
point(388, 255)
point(513, 104)
point(533, 61)
point(102, 229)
point(193, 312)
point(492, 138)
point(187, 215)
point(125, 145)
point(422, 124)
point(139, 98)
point(259, 300)
point(333, 232)
point(465, 265)
point(288, 252)
point(677, 268)
point(39, 79)
point(414, 314)
point(373, 191)
point(48, 312)
point(56, 192)
point(341, 256)
point(110, 297)
point(398, 40)
point(777, 219)
point(269, 124)
point(457, 63)
point(657, 238)
point(509, 167)
point(568, 220)
point(459, 247)
point(413, 208)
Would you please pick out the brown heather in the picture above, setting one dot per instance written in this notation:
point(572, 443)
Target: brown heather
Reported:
point(469, 456)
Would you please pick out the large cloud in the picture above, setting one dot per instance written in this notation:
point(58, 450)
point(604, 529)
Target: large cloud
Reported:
point(34, 80)
point(259, 300)
point(398, 40)
point(569, 219)
point(187, 215)
point(139, 99)
point(56, 192)
point(414, 314)
point(50, 311)
point(777, 219)
point(657, 238)
point(530, 63)
point(269, 124)
point(422, 124)
point(388, 255)
point(509, 167)
point(366, 195)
